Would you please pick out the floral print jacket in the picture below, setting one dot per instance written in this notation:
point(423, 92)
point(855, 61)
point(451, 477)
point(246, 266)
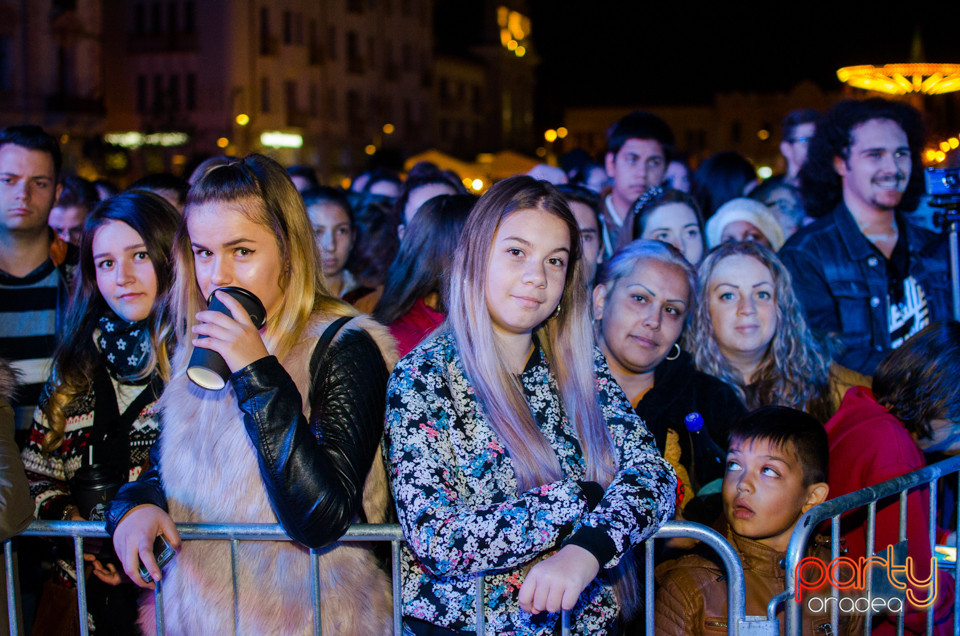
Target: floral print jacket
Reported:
point(458, 504)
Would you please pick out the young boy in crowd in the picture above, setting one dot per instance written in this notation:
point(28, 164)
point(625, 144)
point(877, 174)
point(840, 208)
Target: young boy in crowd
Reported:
point(776, 471)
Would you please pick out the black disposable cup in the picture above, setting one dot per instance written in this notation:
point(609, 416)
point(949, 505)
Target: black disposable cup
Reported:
point(207, 368)
point(93, 486)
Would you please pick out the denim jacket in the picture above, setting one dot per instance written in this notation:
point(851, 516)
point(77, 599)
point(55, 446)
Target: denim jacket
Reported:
point(841, 281)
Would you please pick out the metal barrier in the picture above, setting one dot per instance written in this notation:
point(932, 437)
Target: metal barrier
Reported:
point(738, 623)
point(834, 508)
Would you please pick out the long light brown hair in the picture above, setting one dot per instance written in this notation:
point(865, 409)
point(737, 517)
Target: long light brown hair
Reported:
point(567, 342)
point(261, 190)
point(795, 369)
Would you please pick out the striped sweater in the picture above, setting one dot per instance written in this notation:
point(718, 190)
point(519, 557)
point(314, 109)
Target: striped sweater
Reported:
point(31, 309)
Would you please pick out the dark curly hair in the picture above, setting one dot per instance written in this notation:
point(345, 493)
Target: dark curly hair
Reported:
point(918, 381)
point(819, 181)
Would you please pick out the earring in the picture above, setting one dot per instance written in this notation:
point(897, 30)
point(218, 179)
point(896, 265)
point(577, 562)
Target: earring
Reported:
point(676, 355)
point(556, 312)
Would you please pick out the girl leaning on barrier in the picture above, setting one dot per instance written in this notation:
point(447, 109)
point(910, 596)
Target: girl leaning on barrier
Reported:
point(97, 416)
point(512, 449)
point(283, 440)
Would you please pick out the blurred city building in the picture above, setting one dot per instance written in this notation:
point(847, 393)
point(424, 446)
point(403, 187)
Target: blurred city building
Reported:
point(50, 70)
point(138, 86)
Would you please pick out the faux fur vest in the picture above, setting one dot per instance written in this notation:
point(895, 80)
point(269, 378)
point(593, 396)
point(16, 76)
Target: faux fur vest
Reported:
point(210, 474)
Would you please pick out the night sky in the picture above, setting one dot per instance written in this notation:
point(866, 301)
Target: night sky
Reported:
point(618, 53)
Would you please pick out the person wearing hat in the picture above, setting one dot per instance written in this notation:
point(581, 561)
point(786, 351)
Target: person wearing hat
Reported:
point(744, 219)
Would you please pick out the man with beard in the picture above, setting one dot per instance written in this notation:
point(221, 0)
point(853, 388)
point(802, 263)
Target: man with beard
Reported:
point(862, 270)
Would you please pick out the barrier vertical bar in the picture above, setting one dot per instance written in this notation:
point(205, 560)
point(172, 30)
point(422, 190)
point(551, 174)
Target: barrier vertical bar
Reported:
point(481, 628)
point(81, 585)
point(956, 562)
point(315, 586)
point(932, 533)
point(13, 614)
point(234, 563)
point(834, 592)
point(158, 603)
point(397, 589)
point(871, 540)
point(902, 537)
point(564, 622)
point(649, 585)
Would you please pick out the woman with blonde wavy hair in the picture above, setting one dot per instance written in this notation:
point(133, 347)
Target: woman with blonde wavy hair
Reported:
point(291, 438)
point(749, 330)
point(98, 410)
point(509, 441)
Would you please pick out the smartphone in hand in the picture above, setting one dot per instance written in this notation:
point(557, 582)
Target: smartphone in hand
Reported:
point(162, 552)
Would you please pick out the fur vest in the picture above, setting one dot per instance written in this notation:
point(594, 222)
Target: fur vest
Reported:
point(210, 474)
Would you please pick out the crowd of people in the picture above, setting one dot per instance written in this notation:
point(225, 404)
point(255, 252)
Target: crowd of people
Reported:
point(530, 382)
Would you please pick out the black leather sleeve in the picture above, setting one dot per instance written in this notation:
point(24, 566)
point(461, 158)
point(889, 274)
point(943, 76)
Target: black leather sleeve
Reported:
point(314, 471)
point(148, 489)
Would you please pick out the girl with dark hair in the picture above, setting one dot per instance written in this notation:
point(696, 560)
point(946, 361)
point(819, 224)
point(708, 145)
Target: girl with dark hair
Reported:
point(508, 439)
point(721, 177)
point(424, 182)
point(292, 436)
point(412, 303)
point(670, 217)
point(874, 437)
point(332, 219)
point(99, 406)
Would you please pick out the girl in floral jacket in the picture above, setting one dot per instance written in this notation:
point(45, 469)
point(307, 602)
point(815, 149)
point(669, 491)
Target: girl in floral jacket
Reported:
point(514, 454)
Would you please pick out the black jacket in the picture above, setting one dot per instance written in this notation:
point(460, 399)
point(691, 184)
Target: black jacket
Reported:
point(679, 389)
point(313, 471)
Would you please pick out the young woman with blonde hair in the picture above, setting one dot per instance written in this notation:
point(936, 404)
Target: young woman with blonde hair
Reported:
point(290, 438)
point(509, 440)
point(749, 330)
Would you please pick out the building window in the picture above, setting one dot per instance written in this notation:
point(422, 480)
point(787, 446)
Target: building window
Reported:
point(332, 43)
point(265, 47)
point(354, 61)
point(332, 110)
point(158, 93)
point(191, 91)
point(287, 28)
point(156, 24)
point(189, 18)
point(735, 132)
point(173, 18)
point(264, 94)
point(312, 97)
point(354, 6)
point(355, 113)
point(141, 94)
point(139, 20)
point(174, 93)
point(290, 92)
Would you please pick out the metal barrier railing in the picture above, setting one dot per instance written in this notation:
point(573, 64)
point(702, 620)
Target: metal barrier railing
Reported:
point(834, 508)
point(738, 623)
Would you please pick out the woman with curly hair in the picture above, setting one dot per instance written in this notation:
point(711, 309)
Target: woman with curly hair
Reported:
point(749, 330)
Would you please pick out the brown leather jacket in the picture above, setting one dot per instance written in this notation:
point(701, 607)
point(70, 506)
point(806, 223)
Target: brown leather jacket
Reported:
point(692, 590)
